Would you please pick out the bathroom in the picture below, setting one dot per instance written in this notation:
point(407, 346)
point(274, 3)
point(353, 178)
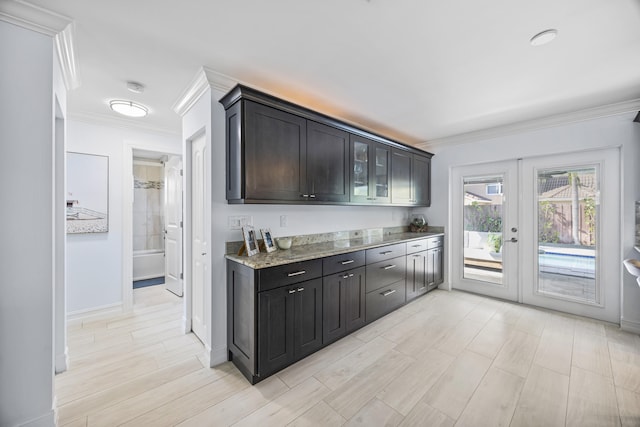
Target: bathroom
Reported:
point(148, 222)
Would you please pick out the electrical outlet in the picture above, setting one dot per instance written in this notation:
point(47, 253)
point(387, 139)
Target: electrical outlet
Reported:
point(238, 221)
point(284, 220)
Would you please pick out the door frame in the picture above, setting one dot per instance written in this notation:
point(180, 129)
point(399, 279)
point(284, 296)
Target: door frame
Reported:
point(127, 216)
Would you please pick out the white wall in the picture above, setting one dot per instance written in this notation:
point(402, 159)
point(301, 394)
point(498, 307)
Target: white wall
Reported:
point(614, 131)
point(95, 261)
point(26, 247)
point(208, 114)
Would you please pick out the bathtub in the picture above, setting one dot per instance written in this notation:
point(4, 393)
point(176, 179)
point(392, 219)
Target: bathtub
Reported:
point(148, 264)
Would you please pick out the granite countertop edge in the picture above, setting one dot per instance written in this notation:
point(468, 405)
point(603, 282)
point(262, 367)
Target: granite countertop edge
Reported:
point(322, 250)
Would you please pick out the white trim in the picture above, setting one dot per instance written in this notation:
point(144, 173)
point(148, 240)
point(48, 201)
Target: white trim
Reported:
point(65, 46)
point(217, 356)
point(62, 361)
point(534, 124)
point(204, 79)
point(186, 321)
point(122, 123)
point(33, 17)
point(630, 326)
point(50, 418)
point(95, 311)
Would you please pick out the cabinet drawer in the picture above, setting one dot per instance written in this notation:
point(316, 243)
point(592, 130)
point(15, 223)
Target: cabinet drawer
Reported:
point(282, 275)
point(386, 272)
point(417, 246)
point(385, 300)
point(386, 252)
point(435, 242)
point(337, 263)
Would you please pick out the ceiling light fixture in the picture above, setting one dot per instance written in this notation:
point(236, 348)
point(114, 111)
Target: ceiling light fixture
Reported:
point(543, 37)
point(128, 108)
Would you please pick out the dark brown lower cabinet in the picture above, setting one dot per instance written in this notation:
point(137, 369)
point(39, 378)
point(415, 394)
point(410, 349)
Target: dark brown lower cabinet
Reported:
point(343, 298)
point(290, 325)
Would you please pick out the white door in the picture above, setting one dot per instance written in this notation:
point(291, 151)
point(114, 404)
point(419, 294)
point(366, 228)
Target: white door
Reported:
point(173, 225)
point(199, 240)
point(571, 246)
point(543, 231)
point(484, 229)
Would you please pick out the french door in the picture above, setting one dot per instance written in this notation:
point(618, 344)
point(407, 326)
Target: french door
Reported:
point(543, 231)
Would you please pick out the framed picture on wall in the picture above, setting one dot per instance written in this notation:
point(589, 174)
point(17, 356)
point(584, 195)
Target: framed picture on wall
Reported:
point(269, 244)
point(250, 240)
point(87, 193)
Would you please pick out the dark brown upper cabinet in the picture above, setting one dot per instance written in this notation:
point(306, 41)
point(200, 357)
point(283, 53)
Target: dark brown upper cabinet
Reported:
point(279, 152)
point(410, 179)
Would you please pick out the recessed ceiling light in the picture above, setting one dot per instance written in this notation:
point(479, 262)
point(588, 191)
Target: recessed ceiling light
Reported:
point(128, 108)
point(544, 37)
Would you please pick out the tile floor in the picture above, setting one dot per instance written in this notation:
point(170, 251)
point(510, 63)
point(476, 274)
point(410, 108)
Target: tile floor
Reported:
point(448, 358)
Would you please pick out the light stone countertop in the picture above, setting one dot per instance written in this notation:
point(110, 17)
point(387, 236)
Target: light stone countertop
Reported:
point(324, 249)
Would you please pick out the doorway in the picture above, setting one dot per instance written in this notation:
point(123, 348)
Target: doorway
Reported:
point(542, 231)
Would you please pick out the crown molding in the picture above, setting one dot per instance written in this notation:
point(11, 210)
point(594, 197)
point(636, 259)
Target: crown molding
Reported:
point(66, 48)
point(531, 125)
point(205, 78)
point(44, 21)
point(123, 123)
point(33, 17)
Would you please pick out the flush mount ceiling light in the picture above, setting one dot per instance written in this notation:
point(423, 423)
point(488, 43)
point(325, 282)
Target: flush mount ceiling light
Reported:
point(128, 108)
point(543, 37)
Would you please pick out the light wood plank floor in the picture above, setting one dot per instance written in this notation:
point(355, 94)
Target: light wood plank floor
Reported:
point(449, 358)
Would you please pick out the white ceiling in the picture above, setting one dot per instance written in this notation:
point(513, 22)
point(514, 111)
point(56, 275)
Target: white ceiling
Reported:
point(414, 70)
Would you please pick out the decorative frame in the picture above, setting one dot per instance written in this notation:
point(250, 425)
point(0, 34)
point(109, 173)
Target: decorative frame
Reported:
point(250, 240)
point(269, 244)
point(87, 193)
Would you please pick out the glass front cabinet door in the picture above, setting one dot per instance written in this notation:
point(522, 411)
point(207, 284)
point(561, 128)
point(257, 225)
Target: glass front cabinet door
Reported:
point(370, 163)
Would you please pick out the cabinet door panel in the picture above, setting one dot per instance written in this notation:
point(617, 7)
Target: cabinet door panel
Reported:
point(401, 173)
point(421, 180)
point(327, 163)
point(355, 299)
point(380, 173)
point(275, 330)
point(416, 274)
point(275, 149)
point(334, 306)
point(308, 317)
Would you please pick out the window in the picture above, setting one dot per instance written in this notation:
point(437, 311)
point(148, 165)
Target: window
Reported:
point(494, 189)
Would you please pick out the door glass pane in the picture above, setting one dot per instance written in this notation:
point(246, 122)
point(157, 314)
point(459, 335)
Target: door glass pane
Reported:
point(382, 172)
point(360, 169)
point(483, 203)
point(567, 230)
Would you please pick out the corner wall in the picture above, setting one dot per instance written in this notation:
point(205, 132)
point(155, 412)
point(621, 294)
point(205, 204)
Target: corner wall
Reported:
point(27, 246)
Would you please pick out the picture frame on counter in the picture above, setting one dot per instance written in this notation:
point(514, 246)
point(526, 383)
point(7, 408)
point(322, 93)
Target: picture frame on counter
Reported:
point(250, 240)
point(269, 244)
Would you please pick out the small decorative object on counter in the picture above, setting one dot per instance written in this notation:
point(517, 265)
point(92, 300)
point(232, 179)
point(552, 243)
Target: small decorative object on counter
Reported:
point(418, 224)
point(284, 242)
point(250, 241)
point(269, 244)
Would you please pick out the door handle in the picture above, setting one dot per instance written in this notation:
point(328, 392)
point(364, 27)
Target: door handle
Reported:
point(204, 253)
point(512, 240)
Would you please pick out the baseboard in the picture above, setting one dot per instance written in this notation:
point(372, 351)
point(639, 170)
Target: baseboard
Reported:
point(62, 361)
point(217, 356)
point(45, 420)
point(630, 326)
point(186, 325)
point(95, 311)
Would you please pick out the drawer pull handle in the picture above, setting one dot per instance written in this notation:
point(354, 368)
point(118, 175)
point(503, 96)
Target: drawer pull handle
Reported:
point(313, 196)
point(346, 276)
point(389, 267)
point(387, 293)
point(297, 273)
point(292, 291)
point(349, 261)
point(416, 246)
point(386, 252)
point(300, 289)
